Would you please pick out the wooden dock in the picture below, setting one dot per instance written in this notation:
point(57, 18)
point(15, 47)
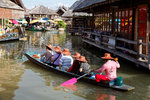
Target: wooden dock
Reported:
point(104, 43)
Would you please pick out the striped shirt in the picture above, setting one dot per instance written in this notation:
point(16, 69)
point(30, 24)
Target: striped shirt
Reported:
point(66, 62)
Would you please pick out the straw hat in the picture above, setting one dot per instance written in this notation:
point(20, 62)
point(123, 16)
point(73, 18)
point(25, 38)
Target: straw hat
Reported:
point(57, 49)
point(49, 46)
point(107, 56)
point(82, 58)
point(76, 55)
point(66, 52)
point(35, 56)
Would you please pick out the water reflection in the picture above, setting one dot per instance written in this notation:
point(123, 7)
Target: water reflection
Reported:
point(10, 68)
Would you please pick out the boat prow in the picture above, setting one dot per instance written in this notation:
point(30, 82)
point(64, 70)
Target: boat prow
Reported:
point(37, 61)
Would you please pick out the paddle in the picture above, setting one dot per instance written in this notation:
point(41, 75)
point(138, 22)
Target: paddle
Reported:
point(74, 80)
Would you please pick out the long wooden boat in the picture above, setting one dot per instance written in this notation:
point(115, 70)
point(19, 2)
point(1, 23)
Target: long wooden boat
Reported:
point(10, 39)
point(124, 87)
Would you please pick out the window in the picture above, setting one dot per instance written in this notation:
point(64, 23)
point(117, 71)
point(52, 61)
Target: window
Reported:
point(142, 21)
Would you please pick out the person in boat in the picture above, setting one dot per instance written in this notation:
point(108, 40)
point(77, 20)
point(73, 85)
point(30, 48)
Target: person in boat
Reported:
point(84, 68)
point(66, 60)
point(46, 57)
point(110, 68)
point(57, 56)
point(74, 68)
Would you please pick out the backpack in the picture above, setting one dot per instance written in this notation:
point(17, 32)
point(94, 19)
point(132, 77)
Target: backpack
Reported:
point(119, 81)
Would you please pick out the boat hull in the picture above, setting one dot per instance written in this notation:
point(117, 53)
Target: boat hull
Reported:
point(86, 79)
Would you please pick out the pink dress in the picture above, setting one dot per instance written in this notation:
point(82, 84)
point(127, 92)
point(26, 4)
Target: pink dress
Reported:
point(110, 68)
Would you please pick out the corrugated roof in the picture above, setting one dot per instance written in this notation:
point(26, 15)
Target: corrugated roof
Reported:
point(78, 2)
point(41, 10)
point(9, 4)
point(87, 3)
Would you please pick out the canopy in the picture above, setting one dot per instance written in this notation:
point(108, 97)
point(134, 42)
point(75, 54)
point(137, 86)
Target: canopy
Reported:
point(42, 21)
point(9, 21)
point(14, 21)
point(57, 19)
point(34, 21)
point(22, 21)
point(45, 18)
point(51, 21)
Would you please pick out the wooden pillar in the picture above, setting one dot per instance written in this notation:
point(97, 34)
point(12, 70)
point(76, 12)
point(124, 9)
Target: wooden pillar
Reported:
point(149, 55)
point(139, 49)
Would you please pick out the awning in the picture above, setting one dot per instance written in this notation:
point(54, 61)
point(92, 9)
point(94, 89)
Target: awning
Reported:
point(45, 19)
point(14, 21)
point(34, 21)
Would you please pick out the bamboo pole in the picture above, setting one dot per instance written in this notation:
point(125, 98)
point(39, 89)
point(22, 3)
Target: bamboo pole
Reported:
point(139, 49)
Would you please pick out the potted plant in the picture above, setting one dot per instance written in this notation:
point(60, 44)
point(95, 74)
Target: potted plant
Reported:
point(61, 25)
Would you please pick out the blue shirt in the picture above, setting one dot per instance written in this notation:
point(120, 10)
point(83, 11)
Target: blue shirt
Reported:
point(66, 62)
point(56, 62)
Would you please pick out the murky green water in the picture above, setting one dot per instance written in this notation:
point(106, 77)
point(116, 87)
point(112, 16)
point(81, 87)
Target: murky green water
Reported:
point(22, 80)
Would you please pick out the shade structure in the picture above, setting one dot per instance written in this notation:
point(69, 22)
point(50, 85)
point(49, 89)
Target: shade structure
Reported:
point(14, 21)
point(57, 19)
point(52, 21)
point(22, 21)
point(34, 21)
point(9, 21)
point(45, 19)
point(42, 21)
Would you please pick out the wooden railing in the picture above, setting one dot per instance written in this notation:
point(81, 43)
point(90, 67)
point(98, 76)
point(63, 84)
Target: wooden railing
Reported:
point(138, 53)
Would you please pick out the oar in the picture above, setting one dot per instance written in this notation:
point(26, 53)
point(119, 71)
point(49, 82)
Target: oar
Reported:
point(74, 80)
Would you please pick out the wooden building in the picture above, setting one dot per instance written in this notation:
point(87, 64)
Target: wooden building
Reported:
point(10, 9)
point(121, 27)
point(41, 12)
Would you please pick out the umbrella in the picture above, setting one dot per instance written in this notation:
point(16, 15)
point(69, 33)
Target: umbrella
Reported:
point(51, 21)
point(14, 21)
point(9, 21)
point(42, 21)
point(45, 18)
point(57, 19)
point(34, 21)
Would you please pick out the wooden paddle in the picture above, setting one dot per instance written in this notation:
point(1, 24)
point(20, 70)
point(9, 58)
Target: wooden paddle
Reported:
point(74, 80)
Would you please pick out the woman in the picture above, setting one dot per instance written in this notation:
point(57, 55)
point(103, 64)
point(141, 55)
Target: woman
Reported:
point(57, 56)
point(110, 68)
point(84, 68)
point(76, 65)
point(46, 57)
point(66, 61)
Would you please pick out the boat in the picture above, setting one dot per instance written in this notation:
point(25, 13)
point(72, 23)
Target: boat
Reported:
point(37, 29)
point(29, 55)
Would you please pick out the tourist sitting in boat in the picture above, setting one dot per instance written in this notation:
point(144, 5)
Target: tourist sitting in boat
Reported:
point(110, 68)
point(84, 68)
point(66, 61)
point(46, 57)
point(74, 68)
point(57, 56)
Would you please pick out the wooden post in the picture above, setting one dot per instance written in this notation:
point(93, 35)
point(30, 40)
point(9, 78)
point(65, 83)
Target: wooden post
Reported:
point(149, 55)
point(139, 49)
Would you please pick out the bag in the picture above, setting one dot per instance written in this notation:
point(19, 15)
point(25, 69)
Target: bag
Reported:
point(119, 81)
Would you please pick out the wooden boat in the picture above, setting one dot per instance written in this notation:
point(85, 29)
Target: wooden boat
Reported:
point(87, 79)
point(10, 39)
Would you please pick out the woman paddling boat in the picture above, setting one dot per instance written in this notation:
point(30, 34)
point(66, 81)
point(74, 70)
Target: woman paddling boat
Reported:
point(110, 68)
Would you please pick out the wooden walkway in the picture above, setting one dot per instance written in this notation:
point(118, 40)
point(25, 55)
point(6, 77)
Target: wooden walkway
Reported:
point(115, 50)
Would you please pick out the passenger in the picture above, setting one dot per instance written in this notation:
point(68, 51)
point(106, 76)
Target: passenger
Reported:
point(110, 68)
point(74, 68)
point(84, 68)
point(57, 56)
point(66, 61)
point(46, 57)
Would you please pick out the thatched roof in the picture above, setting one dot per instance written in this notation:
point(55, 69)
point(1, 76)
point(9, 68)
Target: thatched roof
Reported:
point(62, 8)
point(41, 10)
point(19, 2)
point(9, 4)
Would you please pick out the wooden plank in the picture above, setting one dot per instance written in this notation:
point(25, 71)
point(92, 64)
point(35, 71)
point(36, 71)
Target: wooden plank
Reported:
point(127, 41)
point(127, 57)
point(130, 51)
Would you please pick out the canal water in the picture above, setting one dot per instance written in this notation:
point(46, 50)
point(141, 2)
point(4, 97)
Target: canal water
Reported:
point(22, 80)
